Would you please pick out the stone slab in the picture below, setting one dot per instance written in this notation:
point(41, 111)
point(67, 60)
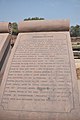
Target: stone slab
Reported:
point(4, 50)
point(43, 25)
point(3, 43)
point(40, 81)
point(77, 63)
point(5, 27)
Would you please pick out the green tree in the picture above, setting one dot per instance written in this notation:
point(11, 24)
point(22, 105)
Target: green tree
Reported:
point(75, 31)
point(33, 18)
point(14, 28)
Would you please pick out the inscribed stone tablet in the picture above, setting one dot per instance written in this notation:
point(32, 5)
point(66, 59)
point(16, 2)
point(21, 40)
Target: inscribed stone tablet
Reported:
point(40, 79)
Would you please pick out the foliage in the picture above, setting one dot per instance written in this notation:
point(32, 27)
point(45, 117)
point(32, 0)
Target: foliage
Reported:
point(33, 18)
point(75, 31)
point(14, 28)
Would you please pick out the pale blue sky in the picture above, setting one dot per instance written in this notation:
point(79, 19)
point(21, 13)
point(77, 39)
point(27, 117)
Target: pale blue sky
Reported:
point(18, 10)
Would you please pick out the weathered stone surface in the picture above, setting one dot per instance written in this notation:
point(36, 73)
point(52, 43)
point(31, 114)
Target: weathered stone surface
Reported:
point(43, 25)
point(5, 27)
point(4, 51)
point(40, 82)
